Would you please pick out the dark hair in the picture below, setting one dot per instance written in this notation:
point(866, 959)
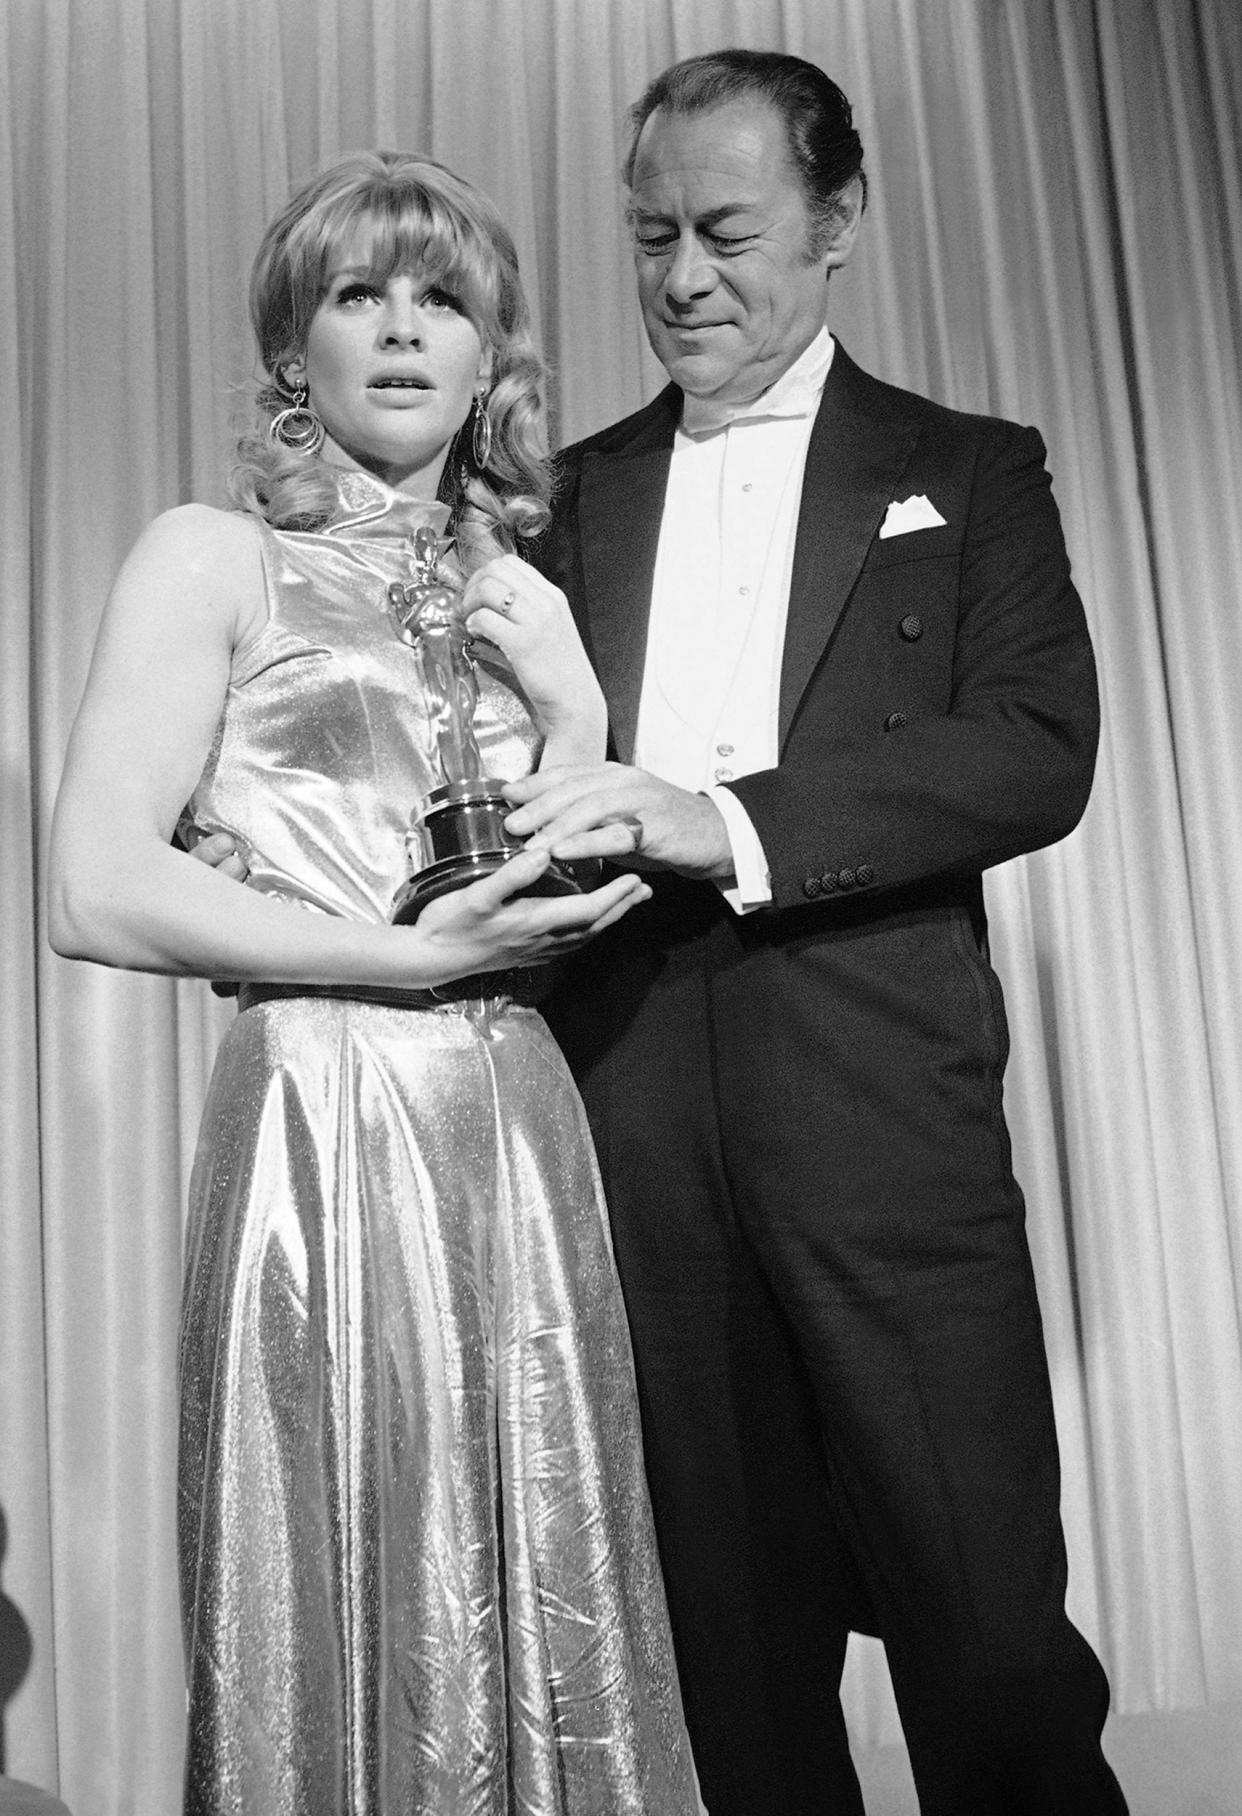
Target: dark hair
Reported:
point(420, 215)
point(825, 150)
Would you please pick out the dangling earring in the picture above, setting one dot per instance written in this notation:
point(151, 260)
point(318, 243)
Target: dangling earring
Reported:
point(481, 435)
point(297, 427)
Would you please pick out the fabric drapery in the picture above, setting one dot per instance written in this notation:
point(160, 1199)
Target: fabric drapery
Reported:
point(1055, 235)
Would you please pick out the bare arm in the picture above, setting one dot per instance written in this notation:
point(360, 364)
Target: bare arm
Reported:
point(536, 631)
point(586, 808)
point(189, 594)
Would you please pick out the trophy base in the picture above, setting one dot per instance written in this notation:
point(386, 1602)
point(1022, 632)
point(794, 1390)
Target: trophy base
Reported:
point(462, 831)
point(456, 873)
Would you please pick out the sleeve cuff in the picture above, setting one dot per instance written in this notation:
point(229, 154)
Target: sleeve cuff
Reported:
point(751, 887)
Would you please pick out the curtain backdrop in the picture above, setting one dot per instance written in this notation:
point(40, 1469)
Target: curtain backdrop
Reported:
point(1055, 235)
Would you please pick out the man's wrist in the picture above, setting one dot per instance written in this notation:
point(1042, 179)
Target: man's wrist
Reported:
point(714, 848)
point(748, 884)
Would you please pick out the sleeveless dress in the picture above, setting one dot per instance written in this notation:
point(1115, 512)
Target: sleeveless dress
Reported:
point(418, 1570)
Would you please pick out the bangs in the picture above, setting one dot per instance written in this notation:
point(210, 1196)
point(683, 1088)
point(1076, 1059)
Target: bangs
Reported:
point(410, 230)
point(384, 213)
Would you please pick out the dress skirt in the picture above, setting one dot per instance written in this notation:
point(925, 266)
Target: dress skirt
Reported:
point(418, 1570)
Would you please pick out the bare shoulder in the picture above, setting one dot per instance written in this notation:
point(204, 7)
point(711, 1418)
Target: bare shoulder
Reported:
point(195, 557)
point(205, 538)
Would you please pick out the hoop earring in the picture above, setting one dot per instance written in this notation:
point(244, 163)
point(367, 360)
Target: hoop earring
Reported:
point(297, 427)
point(481, 435)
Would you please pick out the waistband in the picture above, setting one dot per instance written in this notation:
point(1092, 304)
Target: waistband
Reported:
point(518, 986)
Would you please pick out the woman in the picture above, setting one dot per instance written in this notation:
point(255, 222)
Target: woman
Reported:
point(417, 1566)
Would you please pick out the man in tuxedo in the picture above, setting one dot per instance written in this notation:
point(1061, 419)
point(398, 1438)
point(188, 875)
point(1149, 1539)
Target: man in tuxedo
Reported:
point(847, 671)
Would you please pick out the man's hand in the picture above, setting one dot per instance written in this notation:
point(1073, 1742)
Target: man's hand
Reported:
point(626, 815)
point(220, 852)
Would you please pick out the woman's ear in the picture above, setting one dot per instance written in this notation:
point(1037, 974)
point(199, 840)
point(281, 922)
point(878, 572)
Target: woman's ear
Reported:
point(483, 377)
point(290, 374)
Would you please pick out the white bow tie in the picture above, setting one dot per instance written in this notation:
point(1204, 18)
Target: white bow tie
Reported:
point(794, 394)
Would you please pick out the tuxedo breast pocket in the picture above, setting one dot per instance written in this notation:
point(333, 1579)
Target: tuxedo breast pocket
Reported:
point(940, 542)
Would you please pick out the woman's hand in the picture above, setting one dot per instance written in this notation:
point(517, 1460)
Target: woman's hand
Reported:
point(486, 926)
point(525, 616)
point(490, 925)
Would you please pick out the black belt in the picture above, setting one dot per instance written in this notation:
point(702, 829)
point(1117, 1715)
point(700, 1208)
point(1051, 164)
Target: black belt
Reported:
point(520, 986)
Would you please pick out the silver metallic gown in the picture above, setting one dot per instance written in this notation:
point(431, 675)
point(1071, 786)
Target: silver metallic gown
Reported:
point(418, 1570)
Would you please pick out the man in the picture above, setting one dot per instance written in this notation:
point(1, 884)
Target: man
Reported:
point(847, 671)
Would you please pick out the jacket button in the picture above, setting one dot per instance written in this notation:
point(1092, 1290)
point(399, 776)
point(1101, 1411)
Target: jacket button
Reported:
point(829, 883)
point(810, 886)
point(846, 879)
point(895, 721)
point(863, 875)
point(911, 627)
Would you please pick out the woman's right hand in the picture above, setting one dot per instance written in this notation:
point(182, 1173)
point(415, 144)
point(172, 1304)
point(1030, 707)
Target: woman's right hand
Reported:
point(490, 925)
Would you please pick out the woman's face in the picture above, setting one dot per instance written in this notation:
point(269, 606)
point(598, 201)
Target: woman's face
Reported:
point(391, 370)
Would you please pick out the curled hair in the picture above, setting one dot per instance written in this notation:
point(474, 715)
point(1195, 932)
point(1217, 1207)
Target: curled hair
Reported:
point(824, 148)
point(423, 218)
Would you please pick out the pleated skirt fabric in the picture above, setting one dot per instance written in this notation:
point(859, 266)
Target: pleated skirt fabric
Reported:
point(418, 1570)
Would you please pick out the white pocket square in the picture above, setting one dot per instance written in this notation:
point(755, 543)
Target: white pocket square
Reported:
point(910, 514)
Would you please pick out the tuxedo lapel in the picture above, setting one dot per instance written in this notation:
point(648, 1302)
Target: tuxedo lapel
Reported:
point(857, 452)
point(620, 506)
point(859, 446)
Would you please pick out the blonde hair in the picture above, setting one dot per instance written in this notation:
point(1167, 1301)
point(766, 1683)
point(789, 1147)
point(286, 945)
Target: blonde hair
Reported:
point(422, 217)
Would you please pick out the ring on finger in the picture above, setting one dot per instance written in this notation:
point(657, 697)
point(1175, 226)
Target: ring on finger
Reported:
point(634, 827)
point(505, 608)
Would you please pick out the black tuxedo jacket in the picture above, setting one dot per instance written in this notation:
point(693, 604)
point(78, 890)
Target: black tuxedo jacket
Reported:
point(799, 1116)
point(938, 704)
point(938, 715)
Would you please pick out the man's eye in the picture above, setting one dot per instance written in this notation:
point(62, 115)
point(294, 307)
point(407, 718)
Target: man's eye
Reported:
point(724, 243)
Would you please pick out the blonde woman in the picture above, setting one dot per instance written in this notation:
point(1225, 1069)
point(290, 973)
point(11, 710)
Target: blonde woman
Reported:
point(417, 1562)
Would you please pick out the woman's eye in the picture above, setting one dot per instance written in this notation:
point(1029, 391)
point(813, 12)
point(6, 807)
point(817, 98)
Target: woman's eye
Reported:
point(437, 298)
point(354, 292)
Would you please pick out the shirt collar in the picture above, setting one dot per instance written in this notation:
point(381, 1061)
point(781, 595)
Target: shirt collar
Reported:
point(795, 393)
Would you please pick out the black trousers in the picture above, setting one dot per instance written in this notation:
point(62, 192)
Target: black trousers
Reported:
point(844, 1391)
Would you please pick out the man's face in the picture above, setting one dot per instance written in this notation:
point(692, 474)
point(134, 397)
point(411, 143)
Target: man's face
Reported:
point(730, 294)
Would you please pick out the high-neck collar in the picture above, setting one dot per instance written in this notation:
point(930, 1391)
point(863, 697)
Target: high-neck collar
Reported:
point(368, 508)
point(795, 393)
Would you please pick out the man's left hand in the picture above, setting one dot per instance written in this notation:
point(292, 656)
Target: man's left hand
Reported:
point(626, 815)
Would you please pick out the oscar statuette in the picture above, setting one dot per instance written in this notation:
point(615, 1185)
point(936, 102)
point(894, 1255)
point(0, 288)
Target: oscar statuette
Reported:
point(458, 829)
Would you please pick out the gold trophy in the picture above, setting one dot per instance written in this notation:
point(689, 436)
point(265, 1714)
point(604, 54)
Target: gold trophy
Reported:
point(458, 832)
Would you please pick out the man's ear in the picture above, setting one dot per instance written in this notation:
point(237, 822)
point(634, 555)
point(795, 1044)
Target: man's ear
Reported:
point(847, 218)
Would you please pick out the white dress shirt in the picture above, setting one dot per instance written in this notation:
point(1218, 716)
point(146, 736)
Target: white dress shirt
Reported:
point(710, 700)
